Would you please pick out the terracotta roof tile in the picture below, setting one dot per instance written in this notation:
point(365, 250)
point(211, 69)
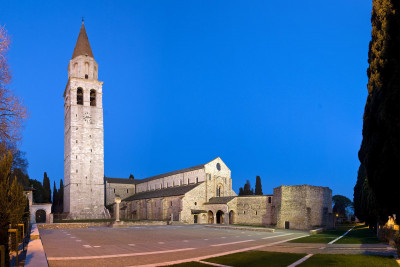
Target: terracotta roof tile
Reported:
point(165, 192)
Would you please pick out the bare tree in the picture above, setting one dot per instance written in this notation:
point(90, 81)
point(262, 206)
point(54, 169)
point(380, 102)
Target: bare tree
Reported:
point(12, 112)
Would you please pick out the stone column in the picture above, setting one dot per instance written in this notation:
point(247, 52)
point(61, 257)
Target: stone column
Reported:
point(226, 218)
point(215, 218)
point(117, 201)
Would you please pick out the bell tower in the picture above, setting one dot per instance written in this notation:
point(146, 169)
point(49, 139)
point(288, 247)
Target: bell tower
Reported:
point(83, 135)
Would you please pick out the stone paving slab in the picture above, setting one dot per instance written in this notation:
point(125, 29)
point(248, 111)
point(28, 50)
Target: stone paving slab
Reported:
point(142, 245)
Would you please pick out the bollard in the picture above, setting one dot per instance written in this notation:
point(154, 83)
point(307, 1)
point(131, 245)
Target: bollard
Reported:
point(16, 241)
point(3, 256)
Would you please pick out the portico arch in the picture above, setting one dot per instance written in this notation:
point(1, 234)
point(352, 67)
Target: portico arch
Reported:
point(231, 217)
point(40, 216)
point(220, 217)
point(210, 217)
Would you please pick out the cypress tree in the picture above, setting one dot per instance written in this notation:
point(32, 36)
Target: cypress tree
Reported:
point(38, 193)
point(258, 190)
point(54, 207)
point(380, 148)
point(46, 189)
point(61, 197)
point(247, 190)
point(241, 193)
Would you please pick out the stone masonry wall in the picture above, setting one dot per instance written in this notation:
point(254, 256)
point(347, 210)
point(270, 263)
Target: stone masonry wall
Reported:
point(190, 177)
point(123, 190)
point(253, 210)
point(193, 200)
point(303, 207)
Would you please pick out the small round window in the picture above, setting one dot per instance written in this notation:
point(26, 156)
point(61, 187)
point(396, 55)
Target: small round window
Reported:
point(218, 166)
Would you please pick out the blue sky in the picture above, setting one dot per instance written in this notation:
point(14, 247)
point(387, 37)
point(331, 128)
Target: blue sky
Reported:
point(274, 88)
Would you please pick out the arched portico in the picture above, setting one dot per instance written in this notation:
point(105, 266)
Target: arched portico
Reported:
point(220, 217)
point(231, 217)
point(210, 217)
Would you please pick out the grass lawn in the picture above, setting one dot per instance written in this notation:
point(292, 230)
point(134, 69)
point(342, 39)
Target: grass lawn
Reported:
point(324, 237)
point(257, 258)
point(359, 235)
point(349, 260)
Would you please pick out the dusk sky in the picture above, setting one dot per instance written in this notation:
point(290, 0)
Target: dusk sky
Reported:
point(274, 88)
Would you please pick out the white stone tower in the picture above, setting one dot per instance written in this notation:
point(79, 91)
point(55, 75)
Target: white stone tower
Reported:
point(83, 135)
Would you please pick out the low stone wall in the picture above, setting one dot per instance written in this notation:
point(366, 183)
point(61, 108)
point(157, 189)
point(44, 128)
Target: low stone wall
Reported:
point(71, 225)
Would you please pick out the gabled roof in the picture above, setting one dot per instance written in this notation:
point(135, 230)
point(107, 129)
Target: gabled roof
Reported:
point(155, 177)
point(198, 167)
point(120, 180)
point(165, 192)
point(220, 200)
point(82, 46)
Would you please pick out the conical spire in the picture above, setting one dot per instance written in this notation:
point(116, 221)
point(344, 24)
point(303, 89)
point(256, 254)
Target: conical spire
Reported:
point(82, 46)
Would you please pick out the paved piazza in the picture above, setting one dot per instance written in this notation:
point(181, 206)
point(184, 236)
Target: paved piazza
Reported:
point(152, 245)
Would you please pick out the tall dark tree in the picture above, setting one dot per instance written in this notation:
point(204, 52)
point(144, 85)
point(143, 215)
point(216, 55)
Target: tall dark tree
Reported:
point(258, 190)
point(38, 192)
point(247, 190)
point(61, 196)
point(12, 201)
point(22, 178)
point(241, 191)
point(380, 148)
point(54, 207)
point(46, 189)
point(365, 207)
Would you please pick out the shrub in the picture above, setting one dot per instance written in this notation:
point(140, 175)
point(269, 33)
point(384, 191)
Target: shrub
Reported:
point(386, 234)
point(396, 239)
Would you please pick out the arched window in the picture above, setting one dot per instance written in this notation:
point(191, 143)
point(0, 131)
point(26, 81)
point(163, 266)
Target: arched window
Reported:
point(93, 98)
point(79, 96)
point(86, 70)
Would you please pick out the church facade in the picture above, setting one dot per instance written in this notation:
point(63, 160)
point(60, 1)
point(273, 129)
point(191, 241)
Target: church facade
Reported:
point(199, 194)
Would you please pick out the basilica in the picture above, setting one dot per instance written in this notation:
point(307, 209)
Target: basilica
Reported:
point(200, 194)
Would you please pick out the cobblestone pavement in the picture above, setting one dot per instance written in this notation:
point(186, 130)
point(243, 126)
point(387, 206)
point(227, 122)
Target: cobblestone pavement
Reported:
point(155, 245)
